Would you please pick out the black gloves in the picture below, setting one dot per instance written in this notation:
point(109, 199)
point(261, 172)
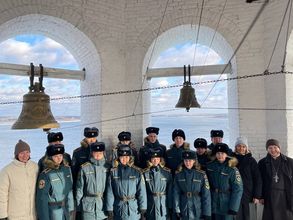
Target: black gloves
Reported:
point(232, 212)
point(178, 216)
point(142, 214)
point(110, 215)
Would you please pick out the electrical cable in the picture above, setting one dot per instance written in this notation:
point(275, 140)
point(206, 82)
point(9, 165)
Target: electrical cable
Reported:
point(214, 35)
point(197, 34)
point(151, 55)
point(278, 35)
point(238, 47)
point(287, 36)
point(264, 74)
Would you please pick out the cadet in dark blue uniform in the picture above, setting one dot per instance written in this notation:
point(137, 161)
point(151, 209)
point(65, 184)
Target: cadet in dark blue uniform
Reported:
point(54, 198)
point(124, 137)
point(158, 186)
point(91, 183)
point(202, 153)
point(126, 193)
point(216, 137)
point(226, 184)
point(174, 154)
point(151, 141)
point(81, 155)
point(192, 198)
point(54, 138)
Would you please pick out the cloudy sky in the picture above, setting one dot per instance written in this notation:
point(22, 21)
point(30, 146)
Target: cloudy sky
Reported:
point(38, 49)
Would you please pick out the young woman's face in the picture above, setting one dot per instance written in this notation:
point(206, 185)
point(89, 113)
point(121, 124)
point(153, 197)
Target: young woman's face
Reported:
point(221, 156)
point(58, 158)
point(189, 163)
point(24, 156)
point(98, 155)
point(155, 161)
point(179, 141)
point(124, 159)
point(241, 149)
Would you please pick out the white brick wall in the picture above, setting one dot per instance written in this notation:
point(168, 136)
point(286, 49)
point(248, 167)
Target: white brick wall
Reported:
point(111, 38)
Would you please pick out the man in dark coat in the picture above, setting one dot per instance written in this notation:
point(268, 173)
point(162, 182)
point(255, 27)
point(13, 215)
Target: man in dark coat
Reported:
point(174, 154)
point(216, 137)
point(252, 182)
point(150, 142)
point(277, 192)
point(202, 153)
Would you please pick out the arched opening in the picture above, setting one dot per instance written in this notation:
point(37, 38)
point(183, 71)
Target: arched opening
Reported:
point(175, 48)
point(56, 32)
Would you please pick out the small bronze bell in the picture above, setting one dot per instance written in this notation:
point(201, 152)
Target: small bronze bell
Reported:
point(187, 97)
point(36, 110)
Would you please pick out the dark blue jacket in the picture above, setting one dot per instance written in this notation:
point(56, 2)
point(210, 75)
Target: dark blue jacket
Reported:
point(192, 198)
point(159, 192)
point(126, 192)
point(226, 186)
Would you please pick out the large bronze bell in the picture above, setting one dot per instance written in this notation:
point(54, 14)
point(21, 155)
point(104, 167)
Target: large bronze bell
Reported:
point(187, 97)
point(36, 110)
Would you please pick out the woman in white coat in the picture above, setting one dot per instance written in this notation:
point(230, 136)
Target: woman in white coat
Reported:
point(18, 186)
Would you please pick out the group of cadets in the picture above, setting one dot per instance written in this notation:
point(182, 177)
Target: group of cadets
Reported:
point(154, 183)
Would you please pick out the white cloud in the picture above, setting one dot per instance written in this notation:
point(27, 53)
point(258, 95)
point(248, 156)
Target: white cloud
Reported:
point(46, 51)
point(187, 54)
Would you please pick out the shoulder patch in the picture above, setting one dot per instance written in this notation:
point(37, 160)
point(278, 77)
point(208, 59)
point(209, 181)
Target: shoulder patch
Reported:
point(201, 171)
point(206, 182)
point(145, 170)
point(41, 184)
point(238, 177)
point(85, 164)
point(136, 168)
point(166, 169)
point(46, 170)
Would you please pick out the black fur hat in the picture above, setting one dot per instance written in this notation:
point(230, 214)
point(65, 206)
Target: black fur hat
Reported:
point(178, 132)
point(200, 143)
point(55, 149)
point(97, 147)
point(52, 137)
point(152, 130)
point(91, 132)
point(124, 136)
point(217, 133)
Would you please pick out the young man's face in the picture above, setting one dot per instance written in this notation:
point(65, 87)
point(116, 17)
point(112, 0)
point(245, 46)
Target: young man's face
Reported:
point(216, 140)
point(179, 141)
point(126, 142)
point(91, 140)
point(200, 150)
point(152, 137)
